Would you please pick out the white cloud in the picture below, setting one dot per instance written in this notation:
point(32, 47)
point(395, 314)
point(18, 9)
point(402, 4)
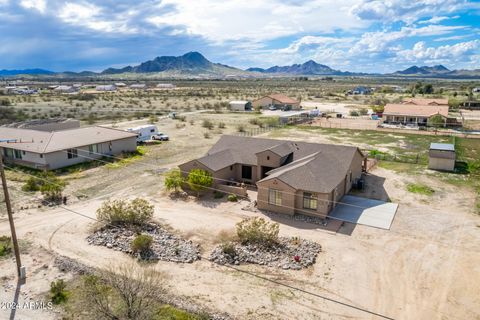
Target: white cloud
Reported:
point(91, 16)
point(381, 41)
point(407, 11)
point(220, 20)
point(450, 53)
point(4, 2)
point(40, 5)
point(437, 19)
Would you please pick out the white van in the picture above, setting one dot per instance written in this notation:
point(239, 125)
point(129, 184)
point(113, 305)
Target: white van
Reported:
point(145, 132)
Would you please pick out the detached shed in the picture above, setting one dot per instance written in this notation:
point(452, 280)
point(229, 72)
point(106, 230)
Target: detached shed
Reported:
point(240, 105)
point(441, 157)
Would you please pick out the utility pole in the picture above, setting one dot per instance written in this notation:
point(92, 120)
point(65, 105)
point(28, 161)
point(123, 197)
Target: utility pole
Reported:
point(20, 269)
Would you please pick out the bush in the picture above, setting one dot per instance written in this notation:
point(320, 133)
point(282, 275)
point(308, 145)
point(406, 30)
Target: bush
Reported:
point(207, 124)
point(221, 125)
point(174, 180)
point(240, 128)
point(5, 246)
point(142, 243)
point(136, 212)
point(199, 180)
point(218, 194)
point(31, 185)
point(58, 294)
point(354, 113)
point(228, 248)
point(232, 198)
point(363, 111)
point(257, 231)
point(48, 183)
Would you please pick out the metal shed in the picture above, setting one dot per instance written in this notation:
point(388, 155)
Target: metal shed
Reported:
point(441, 156)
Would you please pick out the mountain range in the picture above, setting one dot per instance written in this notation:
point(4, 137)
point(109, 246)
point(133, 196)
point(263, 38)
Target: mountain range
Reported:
point(194, 64)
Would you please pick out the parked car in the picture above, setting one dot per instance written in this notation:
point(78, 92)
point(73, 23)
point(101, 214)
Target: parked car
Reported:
point(161, 137)
point(272, 108)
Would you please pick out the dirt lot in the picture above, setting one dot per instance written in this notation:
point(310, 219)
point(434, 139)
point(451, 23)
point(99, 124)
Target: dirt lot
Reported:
point(425, 267)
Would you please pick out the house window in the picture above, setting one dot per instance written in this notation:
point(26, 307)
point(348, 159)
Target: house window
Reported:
point(231, 168)
point(268, 157)
point(72, 153)
point(274, 197)
point(152, 130)
point(310, 201)
point(18, 154)
point(93, 148)
point(350, 176)
point(41, 155)
point(247, 172)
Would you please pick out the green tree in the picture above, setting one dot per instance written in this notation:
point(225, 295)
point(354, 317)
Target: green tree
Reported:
point(199, 180)
point(174, 180)
point(428, 88)
point(436, 121)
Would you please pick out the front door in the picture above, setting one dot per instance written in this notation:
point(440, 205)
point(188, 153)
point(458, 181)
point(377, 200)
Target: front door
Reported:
point(247, 172)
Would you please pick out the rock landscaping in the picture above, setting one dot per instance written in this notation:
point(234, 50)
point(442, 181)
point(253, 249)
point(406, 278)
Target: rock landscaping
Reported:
point(165, 246)
point(288, 253)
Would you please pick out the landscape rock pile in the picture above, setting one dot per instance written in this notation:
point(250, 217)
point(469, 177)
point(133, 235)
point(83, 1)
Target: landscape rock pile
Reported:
point(287, 254)
point(165, 246)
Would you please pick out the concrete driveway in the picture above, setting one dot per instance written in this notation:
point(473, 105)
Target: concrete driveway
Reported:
point(369, 212)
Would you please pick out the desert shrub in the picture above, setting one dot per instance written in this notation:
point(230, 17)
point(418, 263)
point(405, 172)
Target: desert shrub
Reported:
point(257, 231)
point(218, 194)
point(5, 246)
point(241, 128)
point(142, 243)
point(354, 113)
point(58, 294)
point(221, 125)
point(199, 180)
point(228, 248)
point(363, 111)
point(208, 124)
point(31, 185)
point(207, 135)
point(136, 212)
point(232, 198)
point(48, 183)
point(173, 180)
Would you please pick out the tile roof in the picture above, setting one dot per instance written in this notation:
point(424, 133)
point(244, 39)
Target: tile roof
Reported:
point(280, 98)
point(415, 110)
point(314, 167)
point(423, 101)
point(45, 142)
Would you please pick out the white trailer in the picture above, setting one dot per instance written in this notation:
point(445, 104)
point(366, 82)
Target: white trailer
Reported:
point(145, 132)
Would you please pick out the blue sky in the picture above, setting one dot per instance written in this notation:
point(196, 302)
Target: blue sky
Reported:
point(354, 35)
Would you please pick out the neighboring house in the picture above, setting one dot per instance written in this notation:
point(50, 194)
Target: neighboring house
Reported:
point(279, 101)
point(120, 84)
point(291, 177)
point(51, 124)
point(362, 90)
point(412, 114)
point(476, 90)
point(426, 102)
point(65, 89)
point(240, 105)
point(58, 149)
point(107, 87)
point(138, 86)
point(441, 156)
point(166, 85)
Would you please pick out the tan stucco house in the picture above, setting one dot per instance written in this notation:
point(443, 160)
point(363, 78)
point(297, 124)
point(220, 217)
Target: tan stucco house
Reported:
point(277, 100)
point(290, 176)
point(414, 114)
point(48, 150)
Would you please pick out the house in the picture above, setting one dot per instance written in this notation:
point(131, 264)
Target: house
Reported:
point(50, 150)
point(279, 101)
point(106, 87)
point(426, 102)
point(441, 156)
point(476, 90)
point(166, 86)
point(291, 177)
point(240, 105)
point(412, 114)
point(362, 90)
point(65, 89)
point(138, 86)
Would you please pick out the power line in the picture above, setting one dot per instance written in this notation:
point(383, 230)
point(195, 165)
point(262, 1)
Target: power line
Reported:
point(247, 272)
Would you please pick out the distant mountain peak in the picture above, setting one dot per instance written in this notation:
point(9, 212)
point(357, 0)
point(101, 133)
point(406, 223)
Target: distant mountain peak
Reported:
point(424, 70)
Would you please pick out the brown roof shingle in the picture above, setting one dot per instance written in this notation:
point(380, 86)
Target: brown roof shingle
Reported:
point(415, 110)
